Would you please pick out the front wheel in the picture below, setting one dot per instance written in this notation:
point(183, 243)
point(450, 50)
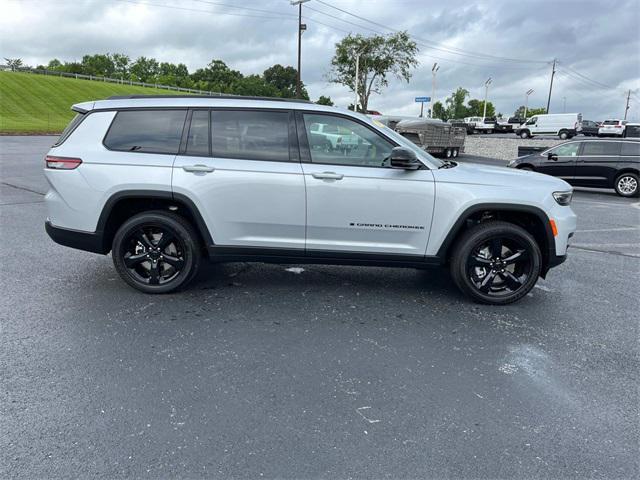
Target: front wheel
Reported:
point(626, 185)
point(455, 152)
point(496, 263)
point(524, 134)
point(156, 252)
point(563, 135)
point(447, 153)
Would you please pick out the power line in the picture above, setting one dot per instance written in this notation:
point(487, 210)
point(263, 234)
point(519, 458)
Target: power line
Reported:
point(434, 45)
point(175, 7)
point(594, 82)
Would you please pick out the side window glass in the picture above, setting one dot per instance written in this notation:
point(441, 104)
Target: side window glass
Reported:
point(601, 148)
point(149, 131)
point(198, 138)
point(250, 134)
point(631, 149)
point(345, 142)
point(567, 150)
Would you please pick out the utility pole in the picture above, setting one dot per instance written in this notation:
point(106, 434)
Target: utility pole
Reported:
point(553, 73)
point(301, 27)
point(434, 70)
point(626, 109)
point(355, 103)
point(526, 102)
point(486, 93)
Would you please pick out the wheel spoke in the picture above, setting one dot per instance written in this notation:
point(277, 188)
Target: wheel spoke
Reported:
point(495, 247)
point(133, 260)
point(175, 262)
point(478, 261)
point(165, 240)
point(487, 282)
point(154, 273)
point(143, 239)
point(518, 256)
point(511, 280)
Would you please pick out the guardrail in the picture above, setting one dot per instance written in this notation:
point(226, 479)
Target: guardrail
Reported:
point(120, 81)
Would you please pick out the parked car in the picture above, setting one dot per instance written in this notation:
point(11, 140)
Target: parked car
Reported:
point(590, 128)
point(564, 125)
point(459, 122)
point(502, 125)
point(163, 182)
point(632, 130)
point(435, 136)
point(612, 127)
point(590, 163)
point(481, 124)
point(332, 137)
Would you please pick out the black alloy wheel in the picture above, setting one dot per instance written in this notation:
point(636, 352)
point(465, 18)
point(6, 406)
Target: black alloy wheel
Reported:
point(156, 252)
point(496, 263)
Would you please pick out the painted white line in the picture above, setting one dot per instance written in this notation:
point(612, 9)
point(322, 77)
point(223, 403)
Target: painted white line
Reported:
point(611, 204)
point(363, 415)
point(605, 245)
point(620, 229)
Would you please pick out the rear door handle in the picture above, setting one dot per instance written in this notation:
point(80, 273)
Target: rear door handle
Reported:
point(198, 169)
point(328, 176)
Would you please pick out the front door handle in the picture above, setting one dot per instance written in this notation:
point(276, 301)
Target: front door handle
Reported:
point(328, 176)
point(198, 169)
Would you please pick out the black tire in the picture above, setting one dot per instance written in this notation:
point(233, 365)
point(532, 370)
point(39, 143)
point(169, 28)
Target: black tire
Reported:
point(627, 185)
point(447, 153)
point(524, 134)
point(487, 276)
point(455, 152)
point(563, 135)
point(141, 252)
point(526, 168)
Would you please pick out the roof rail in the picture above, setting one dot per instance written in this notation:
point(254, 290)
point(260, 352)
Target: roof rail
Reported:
point(234, 97)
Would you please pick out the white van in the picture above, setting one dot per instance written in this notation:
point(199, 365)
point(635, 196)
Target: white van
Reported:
point(564, 125)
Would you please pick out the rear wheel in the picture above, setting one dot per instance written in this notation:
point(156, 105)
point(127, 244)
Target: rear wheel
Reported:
point(496, 263)
point(627, 185)
point(455, 152)
point(156, 252)
point(447, 153)
point(563, 135)
point(524, 134)
point(527, 168)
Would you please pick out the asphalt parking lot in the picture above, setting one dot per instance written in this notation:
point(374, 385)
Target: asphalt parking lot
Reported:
point(317, 371)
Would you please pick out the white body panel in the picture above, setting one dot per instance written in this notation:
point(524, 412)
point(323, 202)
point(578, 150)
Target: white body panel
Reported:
point(369, 209)
point(553, 123)
point(247, 202)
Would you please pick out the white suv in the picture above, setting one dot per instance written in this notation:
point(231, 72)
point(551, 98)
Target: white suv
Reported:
point(162, 182)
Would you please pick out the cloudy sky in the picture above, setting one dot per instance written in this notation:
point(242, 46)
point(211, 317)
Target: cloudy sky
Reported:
point(597, 43)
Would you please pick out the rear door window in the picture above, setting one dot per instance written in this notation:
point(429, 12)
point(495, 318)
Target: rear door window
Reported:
point(250, 134)
point(601, 148)
point(146, 131)
point(198, 137)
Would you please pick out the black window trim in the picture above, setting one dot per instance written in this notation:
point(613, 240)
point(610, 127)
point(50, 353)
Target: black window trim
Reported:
point(187, 128)
point(65, 135)
point(118, 110)
point(305, 152)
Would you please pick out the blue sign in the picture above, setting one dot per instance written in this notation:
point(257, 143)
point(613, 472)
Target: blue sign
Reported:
point(423, 99)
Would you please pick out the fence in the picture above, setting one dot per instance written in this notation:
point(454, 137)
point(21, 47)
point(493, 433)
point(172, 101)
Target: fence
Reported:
point(119, 81)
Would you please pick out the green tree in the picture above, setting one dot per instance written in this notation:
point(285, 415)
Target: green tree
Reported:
point(455, 104)
point(54, 64)
point(216, 76)
point(98, 64)
point(255, 86)
point(530, 111)
point(284, 79)
point(380, 56)
point(121, 64)
point(144, 69)
point(439, 111)
point(475, 108)
point(322, 100)
point(14, 63)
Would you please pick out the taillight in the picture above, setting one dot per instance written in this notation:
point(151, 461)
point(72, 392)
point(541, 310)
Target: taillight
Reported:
point(62, 163)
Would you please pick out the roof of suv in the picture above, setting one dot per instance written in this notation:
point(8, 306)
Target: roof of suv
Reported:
point(173, 101)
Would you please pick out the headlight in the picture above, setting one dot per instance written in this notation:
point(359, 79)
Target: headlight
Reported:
point(563, 198)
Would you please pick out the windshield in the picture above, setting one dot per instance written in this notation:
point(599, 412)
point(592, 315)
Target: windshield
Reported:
point(610, 122)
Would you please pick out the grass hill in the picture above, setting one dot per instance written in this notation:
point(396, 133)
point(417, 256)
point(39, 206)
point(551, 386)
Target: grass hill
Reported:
point(32, 103)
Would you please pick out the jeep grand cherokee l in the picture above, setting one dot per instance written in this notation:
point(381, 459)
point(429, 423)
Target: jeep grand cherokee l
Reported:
point(163, 182)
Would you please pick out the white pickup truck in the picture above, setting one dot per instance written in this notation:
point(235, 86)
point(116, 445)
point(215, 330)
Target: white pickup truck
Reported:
point(333, 137)
point(481, 124)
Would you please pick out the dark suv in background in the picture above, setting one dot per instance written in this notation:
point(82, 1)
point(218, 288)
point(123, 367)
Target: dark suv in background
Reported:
point(590, 163)
point(590, 128)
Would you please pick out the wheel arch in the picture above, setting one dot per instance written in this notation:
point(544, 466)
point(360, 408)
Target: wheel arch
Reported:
point(533, 219)
point(124, 204)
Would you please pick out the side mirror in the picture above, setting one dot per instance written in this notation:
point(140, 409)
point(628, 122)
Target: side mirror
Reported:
point(552, 156)
point(404, 158)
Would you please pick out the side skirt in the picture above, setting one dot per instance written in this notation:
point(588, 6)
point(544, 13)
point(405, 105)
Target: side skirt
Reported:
point(222, 254)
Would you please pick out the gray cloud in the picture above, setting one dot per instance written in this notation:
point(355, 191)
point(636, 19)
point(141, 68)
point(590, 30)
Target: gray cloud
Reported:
point(594, 38)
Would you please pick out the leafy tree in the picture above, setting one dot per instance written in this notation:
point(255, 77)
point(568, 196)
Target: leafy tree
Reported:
point(322, 100)
point(284, 79)
point(476, 108)
point(71, 67)
point(144, 69)
point(14, 63)
point(254, 85)
point(380, 56)
point(216, 76)
point(455, 104)
point(439, 111)
point(121, 64)
point(98, 64)
point(54, 64)
point(530, 111)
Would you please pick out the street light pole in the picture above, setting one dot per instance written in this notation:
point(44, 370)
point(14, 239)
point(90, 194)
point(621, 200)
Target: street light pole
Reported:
point(486, 94)
point(355, 103)
point(301, 28)
point(526, 102)
point(434, 70)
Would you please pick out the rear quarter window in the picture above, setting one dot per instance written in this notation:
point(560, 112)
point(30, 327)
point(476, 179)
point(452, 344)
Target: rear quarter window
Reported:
point(146, 131)
point(630, 149)
point(73, 124)
point(601, 148)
